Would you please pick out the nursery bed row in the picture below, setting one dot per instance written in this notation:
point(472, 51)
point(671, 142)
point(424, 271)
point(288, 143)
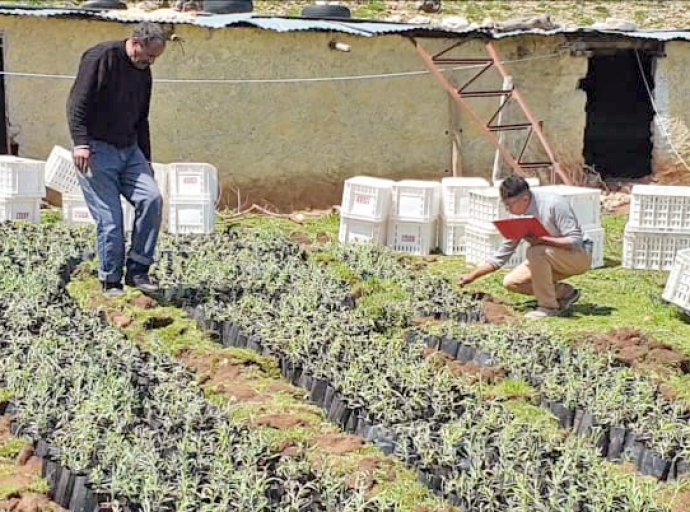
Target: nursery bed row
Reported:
point(293, 318)
point(73, 367)
point(133, 424)
point(487, 457)
point(350, 414)
point(291, 422)
point(588, 394)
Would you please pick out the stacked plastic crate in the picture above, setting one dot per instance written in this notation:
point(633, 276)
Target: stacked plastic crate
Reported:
point(21, 189)
point(586, 203)
point(482, 238)
point(364, 210)
point(455, 213)
point(415, 207)
point(61, 176)
point(192, 197)
point(658, 227)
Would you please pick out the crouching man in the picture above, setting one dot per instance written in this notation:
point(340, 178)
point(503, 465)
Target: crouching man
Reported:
point(550, 259)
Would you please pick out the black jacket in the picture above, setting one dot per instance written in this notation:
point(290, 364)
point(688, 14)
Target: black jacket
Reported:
point(110, 99)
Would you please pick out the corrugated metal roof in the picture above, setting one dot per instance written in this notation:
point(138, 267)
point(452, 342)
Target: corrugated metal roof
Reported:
point(43, 13)
point(365, 28)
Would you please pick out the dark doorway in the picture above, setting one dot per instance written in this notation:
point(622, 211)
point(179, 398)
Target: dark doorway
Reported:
point(618, 137)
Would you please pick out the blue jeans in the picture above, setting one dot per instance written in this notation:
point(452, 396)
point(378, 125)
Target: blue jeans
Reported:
point(114, 172)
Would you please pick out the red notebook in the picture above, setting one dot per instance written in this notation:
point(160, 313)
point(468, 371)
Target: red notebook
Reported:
point(521, 227)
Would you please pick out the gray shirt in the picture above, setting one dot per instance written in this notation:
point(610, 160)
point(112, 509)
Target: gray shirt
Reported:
point(557, 216)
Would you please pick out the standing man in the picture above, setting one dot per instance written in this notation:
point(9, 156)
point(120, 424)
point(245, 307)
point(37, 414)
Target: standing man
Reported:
point(108, 110)
point(566, 252)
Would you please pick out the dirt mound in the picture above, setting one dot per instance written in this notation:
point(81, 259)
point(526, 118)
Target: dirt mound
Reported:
point(632, 348)
point(497, 313)
point(470, 372)
point(222, 374)
point(30, 503)
point(339, 444)
point(280, 421)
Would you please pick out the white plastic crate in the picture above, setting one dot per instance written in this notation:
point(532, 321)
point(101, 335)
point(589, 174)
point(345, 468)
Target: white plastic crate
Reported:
point(662, 208)
point(366, 198)
point(418, 238)
point(532, 182)
point(455, 196)
point(191, 216)
point(485, 205)
point(21, 177)
point(482, 240)
point(356, 231)
point(416, 201)
point(192, 180)
point(598, 237)
point(60, 172)
point(647, 249)
point(22, 208)
point(585, 202)
point(451, 237)
point(74, 209)
point(677, 289)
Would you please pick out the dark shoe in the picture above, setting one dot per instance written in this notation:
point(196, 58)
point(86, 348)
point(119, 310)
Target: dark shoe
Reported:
point(142, 282)
point(112, 290)
point(569, 300)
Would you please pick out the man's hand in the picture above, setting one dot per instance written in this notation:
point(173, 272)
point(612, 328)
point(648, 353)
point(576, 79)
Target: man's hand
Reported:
point(81, 157)
point(466, 279)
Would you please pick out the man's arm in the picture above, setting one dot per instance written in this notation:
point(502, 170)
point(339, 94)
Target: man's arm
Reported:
point(144, 133)
point(497, 260)
point(91, 74)
point(566, 222)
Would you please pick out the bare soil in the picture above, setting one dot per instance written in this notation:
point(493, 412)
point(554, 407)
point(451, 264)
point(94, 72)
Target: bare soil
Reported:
point(30, 502)
point(371, 471)
point(280, 421)
point(27, 469)
point(498, 313)
point(632, 348)
point(120, 320)
point(144, 302)
point(223, 375)
point(301, 238)
point(469, 372)
point(339, 444)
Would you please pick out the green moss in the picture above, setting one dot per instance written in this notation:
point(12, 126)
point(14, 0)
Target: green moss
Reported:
point(19, 485)
point(409, 495)
point(11, 448)
point(51, 216)
point(538, 417)
point(509, 389)
point(5, 395)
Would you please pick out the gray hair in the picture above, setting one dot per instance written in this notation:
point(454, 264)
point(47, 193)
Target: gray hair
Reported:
point(147, 32)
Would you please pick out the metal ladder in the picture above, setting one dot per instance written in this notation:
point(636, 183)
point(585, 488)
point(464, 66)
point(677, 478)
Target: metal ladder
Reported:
point(437, 64)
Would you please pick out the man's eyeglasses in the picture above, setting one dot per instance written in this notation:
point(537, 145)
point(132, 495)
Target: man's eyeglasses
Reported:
point(509, 202)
